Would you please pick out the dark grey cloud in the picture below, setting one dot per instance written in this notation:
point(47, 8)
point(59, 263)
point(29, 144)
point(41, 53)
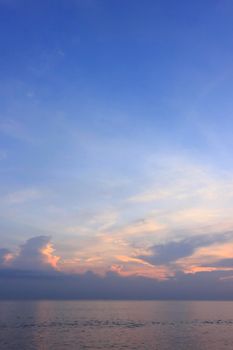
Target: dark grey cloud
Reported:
point(172, 251)
point(17, 284)
point(222, 263)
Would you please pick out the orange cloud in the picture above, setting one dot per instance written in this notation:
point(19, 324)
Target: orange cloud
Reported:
point(49, 258)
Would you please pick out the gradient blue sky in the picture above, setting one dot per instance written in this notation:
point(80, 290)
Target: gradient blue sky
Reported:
point(116, 135)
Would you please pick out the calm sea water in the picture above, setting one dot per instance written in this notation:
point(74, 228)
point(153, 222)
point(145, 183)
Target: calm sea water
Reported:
point(55, 325)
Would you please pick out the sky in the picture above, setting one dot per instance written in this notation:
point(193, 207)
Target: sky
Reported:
point(116, 144)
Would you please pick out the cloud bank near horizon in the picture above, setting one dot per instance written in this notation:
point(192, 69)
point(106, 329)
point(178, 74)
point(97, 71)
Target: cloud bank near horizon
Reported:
point(38, 254)
point(21, 284)
point(34, 272)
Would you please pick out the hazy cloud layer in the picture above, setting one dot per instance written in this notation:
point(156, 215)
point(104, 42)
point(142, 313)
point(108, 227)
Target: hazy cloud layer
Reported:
point(27, 285)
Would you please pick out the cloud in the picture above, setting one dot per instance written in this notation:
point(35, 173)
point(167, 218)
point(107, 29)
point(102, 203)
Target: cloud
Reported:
point(222, 263)
point(22, 196)
point(32, 273)
point(17, 284)
point(172, 251)
point(4, 254)
point(184, 193)
point(140, 227)
point(36, 254)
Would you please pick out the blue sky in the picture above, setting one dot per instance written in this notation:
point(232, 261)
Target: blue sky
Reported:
point(116, 134)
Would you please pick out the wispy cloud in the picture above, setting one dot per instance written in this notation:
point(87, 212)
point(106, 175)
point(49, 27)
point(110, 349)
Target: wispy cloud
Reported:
point(181, 179)
point(22, 196)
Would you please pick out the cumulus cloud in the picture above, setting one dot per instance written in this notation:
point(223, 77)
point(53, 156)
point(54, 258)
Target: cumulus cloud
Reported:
point(161, 254)
point(36, 254)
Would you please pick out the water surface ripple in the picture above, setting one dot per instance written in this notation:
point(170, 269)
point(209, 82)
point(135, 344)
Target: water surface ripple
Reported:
point(116, 325)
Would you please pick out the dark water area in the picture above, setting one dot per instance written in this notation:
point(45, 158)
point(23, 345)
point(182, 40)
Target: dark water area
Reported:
point(162, 325)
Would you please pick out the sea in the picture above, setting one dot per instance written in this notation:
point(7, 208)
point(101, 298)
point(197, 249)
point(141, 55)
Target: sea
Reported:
point(149, 325)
